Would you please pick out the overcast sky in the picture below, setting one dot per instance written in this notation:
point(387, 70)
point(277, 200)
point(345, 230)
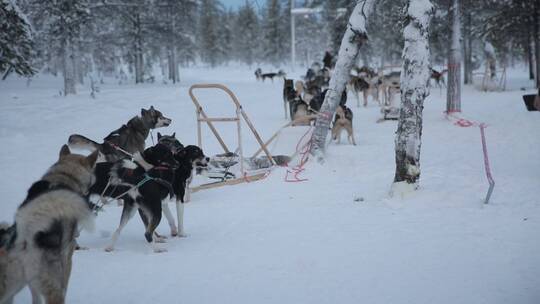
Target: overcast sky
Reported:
point(237, 3)
point(234, 3)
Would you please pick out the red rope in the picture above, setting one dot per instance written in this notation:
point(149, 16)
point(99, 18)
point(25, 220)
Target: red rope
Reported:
point(303, 151)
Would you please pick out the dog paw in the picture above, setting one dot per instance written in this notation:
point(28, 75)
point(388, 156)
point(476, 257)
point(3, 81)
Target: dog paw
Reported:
point(160, 240)
point(174, 233)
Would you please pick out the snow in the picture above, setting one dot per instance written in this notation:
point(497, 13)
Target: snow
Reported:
point(336, 238)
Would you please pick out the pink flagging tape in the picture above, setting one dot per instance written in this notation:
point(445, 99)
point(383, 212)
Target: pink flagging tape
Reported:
point(465, 123)
point(486, 164)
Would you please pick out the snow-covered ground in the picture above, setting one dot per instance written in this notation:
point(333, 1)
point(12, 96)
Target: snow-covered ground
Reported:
point(336, 238)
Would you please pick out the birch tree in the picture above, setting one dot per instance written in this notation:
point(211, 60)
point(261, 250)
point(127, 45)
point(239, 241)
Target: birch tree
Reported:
point(355, 36)
point(453, 94)
point(415, 76)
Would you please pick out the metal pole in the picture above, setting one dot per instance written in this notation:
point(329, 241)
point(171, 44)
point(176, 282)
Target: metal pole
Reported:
point(293, 38)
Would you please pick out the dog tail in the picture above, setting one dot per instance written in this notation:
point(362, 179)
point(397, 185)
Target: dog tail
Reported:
point(81, 142)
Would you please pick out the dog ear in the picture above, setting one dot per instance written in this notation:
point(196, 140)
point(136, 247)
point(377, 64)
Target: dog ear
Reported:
point(64, 151)
point(143, 112)
point(158, 135)
point(92, 158)
point(174, 135)
point(152, 108)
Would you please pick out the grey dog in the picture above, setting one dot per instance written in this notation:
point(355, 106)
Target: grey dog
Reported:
point(37, 249)
point(129, 138)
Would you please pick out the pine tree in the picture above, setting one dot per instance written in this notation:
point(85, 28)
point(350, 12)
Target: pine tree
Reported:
point(60, 26)
point(273, 43)
point(16, 41)
point(246, 34)
point(208, 32)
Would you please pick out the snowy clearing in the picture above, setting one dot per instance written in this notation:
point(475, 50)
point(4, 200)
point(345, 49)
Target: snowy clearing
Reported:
point(336, 238)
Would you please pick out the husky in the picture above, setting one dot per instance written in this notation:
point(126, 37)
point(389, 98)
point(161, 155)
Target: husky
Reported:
point(37, 249)
point(258, 73)
point(368, 86)
point(288, 94)
point(171, 142)
point(280, 73)
point(190, 158)
point(140, 189)
point(127, 140)
point(390, 86)
point(328, 60)
point(438, 77)
point(343, 120)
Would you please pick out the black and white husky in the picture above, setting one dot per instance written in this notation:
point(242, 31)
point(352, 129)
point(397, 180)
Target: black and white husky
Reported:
point(128, 138)
point(141, 189)
point(37, 249)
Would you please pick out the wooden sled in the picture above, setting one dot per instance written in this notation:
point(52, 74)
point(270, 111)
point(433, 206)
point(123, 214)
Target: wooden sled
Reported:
point(389, 113)
point(247, 176)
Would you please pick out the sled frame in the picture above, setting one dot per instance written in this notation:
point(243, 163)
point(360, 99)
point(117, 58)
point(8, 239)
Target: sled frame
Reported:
point(202, 117)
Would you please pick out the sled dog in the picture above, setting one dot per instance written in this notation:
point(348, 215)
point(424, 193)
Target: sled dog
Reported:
point(140, 189)
point(343, 121)
point(129, 137)
point(37, 249)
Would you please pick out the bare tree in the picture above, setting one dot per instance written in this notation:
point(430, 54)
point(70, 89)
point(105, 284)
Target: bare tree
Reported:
point(415, 76)
point(355, 36)
point(453, 95)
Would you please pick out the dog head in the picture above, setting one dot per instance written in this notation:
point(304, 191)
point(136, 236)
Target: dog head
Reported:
point(160, 155)
point(195, 155)
point(171, 142)
point(79, 168)
point(154, 118)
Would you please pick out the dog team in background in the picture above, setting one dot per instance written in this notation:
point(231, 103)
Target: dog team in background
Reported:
point(303, 98)
point(36, 250)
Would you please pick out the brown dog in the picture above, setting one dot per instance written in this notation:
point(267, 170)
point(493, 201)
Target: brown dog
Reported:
point(343, 120)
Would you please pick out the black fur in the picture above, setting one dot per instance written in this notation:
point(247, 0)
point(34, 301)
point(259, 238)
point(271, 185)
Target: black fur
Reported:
point(52, 237)
point(171, 142)
point(151, 193)
point(35, 190)
point(8, 236)
point(189, 157)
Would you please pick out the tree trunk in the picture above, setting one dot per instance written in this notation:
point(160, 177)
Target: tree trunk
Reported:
point(530, 54)
point(468, 49)
point(537, 42)
point(355, 36)
point(139, 64)
point(68, 59)
point(173, 63)
point(453, 95)
point(415, 76)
